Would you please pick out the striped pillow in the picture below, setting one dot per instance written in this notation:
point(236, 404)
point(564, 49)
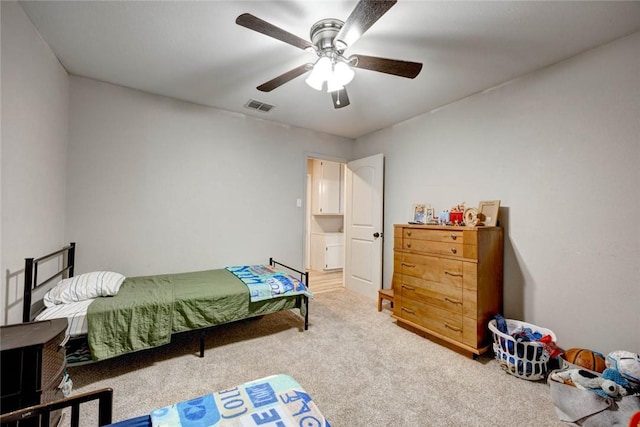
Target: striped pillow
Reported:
point(83, 287)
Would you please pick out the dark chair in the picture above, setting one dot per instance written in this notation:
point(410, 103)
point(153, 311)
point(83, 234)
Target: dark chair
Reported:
point(43, 411)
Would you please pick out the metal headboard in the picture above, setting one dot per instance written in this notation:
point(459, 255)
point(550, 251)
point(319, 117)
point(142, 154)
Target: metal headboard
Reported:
point(31, 275)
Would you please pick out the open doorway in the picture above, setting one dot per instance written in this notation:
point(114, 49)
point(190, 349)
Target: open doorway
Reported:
point(324, 224)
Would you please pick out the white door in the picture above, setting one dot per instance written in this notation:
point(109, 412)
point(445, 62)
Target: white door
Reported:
point(363, 225)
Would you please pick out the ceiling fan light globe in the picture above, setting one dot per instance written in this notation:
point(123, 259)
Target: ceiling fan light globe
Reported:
point(333, 84)
point(323, 67)
point(343, 73)
point(314, 81)
point(320, 73)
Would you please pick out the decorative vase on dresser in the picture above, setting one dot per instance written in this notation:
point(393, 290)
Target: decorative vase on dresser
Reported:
point(447, 282)
point(33, 364)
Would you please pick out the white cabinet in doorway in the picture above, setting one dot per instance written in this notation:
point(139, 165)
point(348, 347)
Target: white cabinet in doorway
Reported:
point(327, 182)
point(327, 251)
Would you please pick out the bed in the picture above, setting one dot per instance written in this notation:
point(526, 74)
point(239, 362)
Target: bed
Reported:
point(276, 400)
point(273, 400)
point(121, 315)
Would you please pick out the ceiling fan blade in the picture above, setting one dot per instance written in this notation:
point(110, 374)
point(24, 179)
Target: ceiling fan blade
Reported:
point(284, 78)
point(340, 98)
point(390, 66)
point(365, 14)
point(256, 24)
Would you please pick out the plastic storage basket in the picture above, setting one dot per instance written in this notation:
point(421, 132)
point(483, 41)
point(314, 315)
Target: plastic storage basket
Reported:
point(526, 360)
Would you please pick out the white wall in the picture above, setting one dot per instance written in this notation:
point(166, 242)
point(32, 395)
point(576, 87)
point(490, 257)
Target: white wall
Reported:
point(34, 145)
point(561, 149)
point(157, 185)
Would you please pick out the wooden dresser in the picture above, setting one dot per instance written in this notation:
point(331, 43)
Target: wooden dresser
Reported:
point(33, 363)
point(447, 282)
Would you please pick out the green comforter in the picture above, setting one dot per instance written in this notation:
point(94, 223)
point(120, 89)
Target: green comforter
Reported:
point(148, 309)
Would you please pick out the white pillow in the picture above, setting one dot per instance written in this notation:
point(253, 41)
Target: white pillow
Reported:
point(83, 287)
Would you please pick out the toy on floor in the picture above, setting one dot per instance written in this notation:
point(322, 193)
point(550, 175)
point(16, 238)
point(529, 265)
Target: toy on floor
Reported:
point(585, 380)
point(619, 378)
point(627, 363)
point(585, 358)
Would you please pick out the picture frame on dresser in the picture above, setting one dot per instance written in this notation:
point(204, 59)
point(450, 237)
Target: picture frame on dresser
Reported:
point(488, 212)
point(419, 213)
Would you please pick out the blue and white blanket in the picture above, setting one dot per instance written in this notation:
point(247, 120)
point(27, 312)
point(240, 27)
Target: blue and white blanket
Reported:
point(277, 400)
point(265, 282)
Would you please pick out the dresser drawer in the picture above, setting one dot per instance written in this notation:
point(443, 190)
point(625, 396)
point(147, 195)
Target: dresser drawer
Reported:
point(436, 248)
point(455, 242)
point(433, 318)
point(445, 236)
point(431, 268)
point(434, 293)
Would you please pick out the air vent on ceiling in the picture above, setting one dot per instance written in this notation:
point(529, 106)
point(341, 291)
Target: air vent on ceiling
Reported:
point(257, 105)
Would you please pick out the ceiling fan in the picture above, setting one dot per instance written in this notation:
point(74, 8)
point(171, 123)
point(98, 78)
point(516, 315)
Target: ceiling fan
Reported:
point(329, 39)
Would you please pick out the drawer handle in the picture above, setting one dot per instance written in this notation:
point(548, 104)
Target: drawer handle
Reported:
point(404, 264)
point(453, 328)
point(454, 250)
point(453, 300)
point(453, 274)
point(454, 236)
point(408, 311)
point(408, 232)
point(408, 244)
point(409, 288)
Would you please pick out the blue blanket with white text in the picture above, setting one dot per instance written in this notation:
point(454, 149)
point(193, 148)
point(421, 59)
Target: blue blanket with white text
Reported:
point(265, 282)
point(277, 400)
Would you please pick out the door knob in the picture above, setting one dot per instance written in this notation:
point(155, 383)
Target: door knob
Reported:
point(376, 235)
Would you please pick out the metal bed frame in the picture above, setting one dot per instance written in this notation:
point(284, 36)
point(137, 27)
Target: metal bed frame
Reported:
point(31, 276)
point(43, 411)
point(31, 283)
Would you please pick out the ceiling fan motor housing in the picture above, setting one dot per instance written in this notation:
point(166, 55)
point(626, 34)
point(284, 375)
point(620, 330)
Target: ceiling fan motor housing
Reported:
point(324, 32)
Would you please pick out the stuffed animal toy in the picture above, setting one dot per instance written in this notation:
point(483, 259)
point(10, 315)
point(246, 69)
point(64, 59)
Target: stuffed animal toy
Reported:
point(627, 363)
point(605, 385)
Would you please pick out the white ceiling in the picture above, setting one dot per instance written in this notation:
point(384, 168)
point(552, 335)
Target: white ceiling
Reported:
point(195, 52)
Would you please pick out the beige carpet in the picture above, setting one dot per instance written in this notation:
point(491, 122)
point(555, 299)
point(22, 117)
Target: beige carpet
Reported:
point(357, 364)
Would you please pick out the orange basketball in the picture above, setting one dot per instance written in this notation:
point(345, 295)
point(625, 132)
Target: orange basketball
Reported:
point(585, 358)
